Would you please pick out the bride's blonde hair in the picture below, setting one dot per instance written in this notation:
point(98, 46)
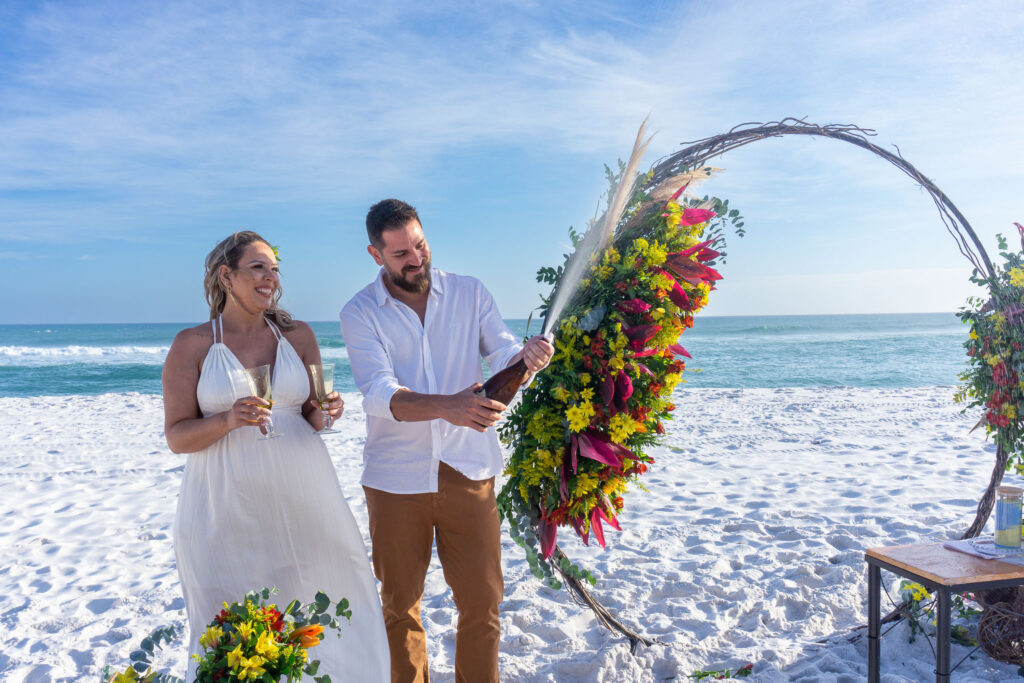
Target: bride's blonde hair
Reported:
point(228, 253)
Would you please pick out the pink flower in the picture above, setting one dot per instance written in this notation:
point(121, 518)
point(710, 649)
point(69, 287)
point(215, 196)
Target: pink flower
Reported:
point(633, 306)
point(694, 216)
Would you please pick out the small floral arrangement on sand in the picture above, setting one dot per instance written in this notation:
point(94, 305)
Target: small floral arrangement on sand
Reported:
point(579, 436)
point(250, 640)
point(254, 641)
point(995, 348)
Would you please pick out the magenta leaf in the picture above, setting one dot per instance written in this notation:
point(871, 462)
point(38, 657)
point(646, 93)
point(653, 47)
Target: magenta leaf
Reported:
point(693, 216)
point(577, 524)
point(547, 532)
point(679, 350)
point(595, 524)
point(633, 306)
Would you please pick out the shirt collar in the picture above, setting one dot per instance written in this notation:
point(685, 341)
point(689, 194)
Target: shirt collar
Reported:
point(382, 295)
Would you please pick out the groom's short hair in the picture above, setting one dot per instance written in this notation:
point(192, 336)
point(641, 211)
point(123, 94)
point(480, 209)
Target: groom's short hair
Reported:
point(387, 214)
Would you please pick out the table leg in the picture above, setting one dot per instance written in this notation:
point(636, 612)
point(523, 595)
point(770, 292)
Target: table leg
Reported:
point(942, 637)
point(874, 617)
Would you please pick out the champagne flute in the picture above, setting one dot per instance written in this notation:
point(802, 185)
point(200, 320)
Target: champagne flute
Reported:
point(259, 383)
point(323, 384)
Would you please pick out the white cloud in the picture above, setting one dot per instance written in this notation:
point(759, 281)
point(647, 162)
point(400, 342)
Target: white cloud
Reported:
point(178, 109)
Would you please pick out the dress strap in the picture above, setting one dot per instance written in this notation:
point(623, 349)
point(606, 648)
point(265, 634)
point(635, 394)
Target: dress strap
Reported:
point(273, 328)
point(213, 324)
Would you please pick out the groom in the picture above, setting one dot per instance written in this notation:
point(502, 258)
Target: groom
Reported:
point(415, 337)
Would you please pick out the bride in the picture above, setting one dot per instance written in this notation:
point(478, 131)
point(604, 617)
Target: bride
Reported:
point(251, 512)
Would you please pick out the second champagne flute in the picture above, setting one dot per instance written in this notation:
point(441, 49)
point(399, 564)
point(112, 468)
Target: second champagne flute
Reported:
point(323, 384)
point(259, 382)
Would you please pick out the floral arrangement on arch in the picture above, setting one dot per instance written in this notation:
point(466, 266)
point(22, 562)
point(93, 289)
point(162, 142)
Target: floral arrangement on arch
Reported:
point(578, 439)
point(995, 350)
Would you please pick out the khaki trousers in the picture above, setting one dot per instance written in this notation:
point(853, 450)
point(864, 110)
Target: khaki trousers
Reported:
point(463, 515)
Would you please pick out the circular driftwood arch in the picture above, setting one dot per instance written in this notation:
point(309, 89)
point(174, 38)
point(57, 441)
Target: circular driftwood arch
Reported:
point(695, 153)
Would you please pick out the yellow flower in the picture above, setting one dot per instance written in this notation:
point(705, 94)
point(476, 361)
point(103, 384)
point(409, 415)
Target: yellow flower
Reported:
point(245, 630)
point(587, 394)
point(266, 646)
point(672, 379)
point(620, 427)
point(579, 416)
point(1017, 277)
point(585, 378)
point(585, 483)
point(1009, 411)
point(973, 335)
point(616, 363)
point(235, 656)
point(251, 668)
point(561, 394)
point(661, 281)
point(211, 637)
point(545, 426)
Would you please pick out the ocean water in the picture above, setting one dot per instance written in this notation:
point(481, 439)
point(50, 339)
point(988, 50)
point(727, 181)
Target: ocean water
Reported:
point(901, 350)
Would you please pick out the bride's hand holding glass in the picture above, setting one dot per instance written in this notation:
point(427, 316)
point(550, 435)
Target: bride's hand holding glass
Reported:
point(248, 411)
point(331, 409)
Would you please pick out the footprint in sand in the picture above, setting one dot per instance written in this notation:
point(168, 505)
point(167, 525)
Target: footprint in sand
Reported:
point(100, 605)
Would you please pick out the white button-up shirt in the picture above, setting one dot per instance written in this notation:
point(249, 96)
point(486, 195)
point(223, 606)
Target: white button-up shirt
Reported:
point(390, 349)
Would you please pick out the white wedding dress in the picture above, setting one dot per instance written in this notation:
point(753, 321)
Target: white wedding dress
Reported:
point(271, 513)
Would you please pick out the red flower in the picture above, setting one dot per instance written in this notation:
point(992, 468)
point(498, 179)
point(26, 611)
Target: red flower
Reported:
point(639, 335)
point(1002, 376)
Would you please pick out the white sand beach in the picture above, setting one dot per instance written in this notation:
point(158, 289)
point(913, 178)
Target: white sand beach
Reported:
point(748, 547)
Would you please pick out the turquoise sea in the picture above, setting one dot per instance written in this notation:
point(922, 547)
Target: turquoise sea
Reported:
point(890, 350)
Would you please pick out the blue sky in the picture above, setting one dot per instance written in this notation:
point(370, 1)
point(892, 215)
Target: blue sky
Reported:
point(136, 135)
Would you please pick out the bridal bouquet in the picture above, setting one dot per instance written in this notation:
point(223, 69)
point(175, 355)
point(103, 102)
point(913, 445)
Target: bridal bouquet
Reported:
point(249, 640)
point(578, 439)
point(254, 641)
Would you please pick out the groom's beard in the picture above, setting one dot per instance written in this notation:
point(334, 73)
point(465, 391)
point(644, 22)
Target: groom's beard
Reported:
point(416, 284)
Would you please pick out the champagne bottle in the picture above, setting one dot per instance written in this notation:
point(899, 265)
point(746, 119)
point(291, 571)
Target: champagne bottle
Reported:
point(503, 385)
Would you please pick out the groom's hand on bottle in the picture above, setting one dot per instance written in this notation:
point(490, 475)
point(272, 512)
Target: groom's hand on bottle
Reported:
point(469, 409)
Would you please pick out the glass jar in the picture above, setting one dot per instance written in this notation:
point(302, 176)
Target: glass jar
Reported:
point(1008, 510)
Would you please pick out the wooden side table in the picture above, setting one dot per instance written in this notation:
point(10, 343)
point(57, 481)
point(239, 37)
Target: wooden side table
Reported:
point(941, 571)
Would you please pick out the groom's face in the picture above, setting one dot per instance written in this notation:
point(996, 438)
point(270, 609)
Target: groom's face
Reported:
point(405, 255)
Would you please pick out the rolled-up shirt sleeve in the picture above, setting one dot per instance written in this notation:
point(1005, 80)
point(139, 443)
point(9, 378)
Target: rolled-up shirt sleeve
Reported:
point(498, 345)
point(372, 370)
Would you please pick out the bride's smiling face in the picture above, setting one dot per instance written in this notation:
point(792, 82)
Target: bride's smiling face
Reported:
point(256, 279)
